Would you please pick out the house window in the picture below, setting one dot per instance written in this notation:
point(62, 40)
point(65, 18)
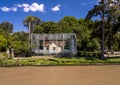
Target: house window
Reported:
point(47, 48)
point(67, 43)
point(41, 44)
point(54, 48)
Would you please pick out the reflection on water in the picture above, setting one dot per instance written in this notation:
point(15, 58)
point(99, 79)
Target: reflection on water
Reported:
point(61, 75)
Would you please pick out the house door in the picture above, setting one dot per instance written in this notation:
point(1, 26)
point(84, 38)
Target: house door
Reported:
point(54, 48)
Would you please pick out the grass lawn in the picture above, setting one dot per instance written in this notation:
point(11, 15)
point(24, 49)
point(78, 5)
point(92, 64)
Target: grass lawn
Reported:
point(57, 61)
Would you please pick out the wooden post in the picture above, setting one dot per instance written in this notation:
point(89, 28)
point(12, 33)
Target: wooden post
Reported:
point(12, 52)
point(8, 53)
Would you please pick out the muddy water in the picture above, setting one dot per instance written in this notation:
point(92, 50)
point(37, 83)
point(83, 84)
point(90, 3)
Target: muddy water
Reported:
point(61, 75)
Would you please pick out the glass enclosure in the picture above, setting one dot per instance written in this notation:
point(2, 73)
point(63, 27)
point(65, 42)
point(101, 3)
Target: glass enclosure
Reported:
point(54, 43)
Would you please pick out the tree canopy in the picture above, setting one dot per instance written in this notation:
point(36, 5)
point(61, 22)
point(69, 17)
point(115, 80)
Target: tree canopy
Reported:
point(88, 31)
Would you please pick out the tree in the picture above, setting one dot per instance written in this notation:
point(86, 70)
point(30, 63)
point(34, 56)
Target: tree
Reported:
point(50, 27)
point(99, 10)
point(113, 9)
point(83, 36)
point(64, 27)
point(6, 29)
point(68, 24)
point(20, 43)
point(3, 43)
point(105, 10)
point(6, 26)
point(38, 29)
point(31, 22)
point(93, 44)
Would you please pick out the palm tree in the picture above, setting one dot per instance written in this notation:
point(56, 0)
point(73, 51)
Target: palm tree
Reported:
point(31, 22)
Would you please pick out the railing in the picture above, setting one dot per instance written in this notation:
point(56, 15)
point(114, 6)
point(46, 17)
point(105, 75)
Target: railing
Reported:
point(112, 54)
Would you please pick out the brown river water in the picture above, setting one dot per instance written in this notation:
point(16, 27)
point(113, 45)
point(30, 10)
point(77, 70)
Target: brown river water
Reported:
point(61, 75)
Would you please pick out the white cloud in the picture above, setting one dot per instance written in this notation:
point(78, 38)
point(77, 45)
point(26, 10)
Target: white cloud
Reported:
point(34, 7)
point(19, 5)
point(26, 9)
point(25, 5)
point(56, 8)
point(5, 9)
point(14, 9)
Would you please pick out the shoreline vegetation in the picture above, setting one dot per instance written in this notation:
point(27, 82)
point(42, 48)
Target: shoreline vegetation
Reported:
point(55, 61)
point(96, 39)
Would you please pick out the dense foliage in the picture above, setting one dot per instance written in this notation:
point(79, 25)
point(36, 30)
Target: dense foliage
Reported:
point(89, 32)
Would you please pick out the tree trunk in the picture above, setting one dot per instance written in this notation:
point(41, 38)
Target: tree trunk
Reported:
point(29, 41)
point(103, 34)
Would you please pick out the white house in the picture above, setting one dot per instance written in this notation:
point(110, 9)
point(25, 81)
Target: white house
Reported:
point(54, 43)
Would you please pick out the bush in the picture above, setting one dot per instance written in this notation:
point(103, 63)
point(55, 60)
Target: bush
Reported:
point(88, 54)
point(66, 55)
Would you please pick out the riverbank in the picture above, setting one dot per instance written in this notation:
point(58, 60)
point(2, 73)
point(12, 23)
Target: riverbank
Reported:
point(50, 61)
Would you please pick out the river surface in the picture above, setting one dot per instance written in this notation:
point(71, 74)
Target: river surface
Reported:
point(61, 75)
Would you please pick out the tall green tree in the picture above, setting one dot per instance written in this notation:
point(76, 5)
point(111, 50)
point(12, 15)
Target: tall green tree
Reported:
point(51, 27)
point(20, 43)
point(38, 29)
point(6, 26)
point(99, 10)
point(31, 22)
point(113, 9)
point(83, 35)
point(68, 24)
point(3, 43)
point(6, 30)
point(104, 9)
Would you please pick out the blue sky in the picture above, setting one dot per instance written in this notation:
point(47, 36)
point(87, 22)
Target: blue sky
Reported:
point(15, 11)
